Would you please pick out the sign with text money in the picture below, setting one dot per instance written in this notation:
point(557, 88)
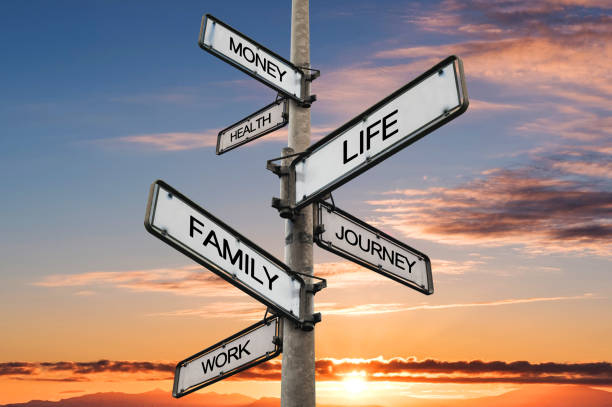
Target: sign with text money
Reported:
point(264, 121)
point(176, 220)
point(408, 114)
point(341, 233)
point(252, 58)
point(254, 345)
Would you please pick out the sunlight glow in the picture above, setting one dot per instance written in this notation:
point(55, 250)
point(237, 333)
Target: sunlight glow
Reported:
point(355, 383)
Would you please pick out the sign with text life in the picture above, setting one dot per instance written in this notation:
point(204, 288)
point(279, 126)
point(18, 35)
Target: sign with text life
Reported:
point(433, 99)
point(175, 219)
point(254, 345)
point(254, 59)
point(264, 121)
point(341, 233)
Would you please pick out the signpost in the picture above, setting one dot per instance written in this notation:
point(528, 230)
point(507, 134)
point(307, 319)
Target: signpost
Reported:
point(408, 114)
point(343, 234)
point(176, 220)
point(264, 121)
point(254, 345)
point(254, 59)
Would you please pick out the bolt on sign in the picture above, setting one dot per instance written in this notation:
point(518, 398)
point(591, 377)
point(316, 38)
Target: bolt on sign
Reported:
point(252, 58)
point(254, 345)
point(190, 229)
point(341, 233)
point(408, 114)
point(264, 121)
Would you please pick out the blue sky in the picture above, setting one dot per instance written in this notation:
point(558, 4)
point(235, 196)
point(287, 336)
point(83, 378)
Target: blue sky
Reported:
point(511, 201)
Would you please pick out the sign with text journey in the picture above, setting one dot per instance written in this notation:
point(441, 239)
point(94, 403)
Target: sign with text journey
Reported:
point(252, 58)
point(343, 234)
point(254, 345)
point(176, 220)
point(264, 121)
point(408, 114)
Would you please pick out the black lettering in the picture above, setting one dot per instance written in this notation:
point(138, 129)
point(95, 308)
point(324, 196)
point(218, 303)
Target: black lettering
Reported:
point(346, 237)
point(360, 141)
point(376, 250)
point(193, 220)
point(263, 63)
point(346, 159)
point(238, 49)
point(280, 74)
point(243, 349)
point(219, 357)
point(212, 237)
point(271, 71)
point(227, 252)
point(386, 125)
point(263, 119)
point(270, 279)
point(244, 54)
point(370, 135)
point(342, 234)
point(232, 352)
point(208, 365)
point(367, 249)
point(410, 266)
point(253, 272)
point(398, 260)
point(386, 254)
point(246, 263)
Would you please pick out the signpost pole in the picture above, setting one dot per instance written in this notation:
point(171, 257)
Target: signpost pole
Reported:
point(298, 369)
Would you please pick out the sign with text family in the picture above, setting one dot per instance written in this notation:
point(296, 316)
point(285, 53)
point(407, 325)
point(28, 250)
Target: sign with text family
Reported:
point(176, 220)
point(343, 234)
point(254, 59)
point(264, 121)
point(408, 114)
point(254, 345)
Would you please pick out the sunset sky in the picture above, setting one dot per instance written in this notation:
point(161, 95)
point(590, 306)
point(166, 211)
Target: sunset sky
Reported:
point(512, 201)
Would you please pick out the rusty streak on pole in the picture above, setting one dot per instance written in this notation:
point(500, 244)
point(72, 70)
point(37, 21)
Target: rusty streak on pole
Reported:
point(298, 371)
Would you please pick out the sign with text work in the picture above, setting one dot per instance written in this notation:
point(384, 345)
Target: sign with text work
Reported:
point(264, 121)
point(343, 234)
point(176, 220)
point(431, 100)
point(254, 345)
point(254, 59)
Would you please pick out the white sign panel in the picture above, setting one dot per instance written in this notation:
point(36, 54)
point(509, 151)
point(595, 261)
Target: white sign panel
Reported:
point(178, 221)
point(437, 96)
point(247, 55)
point(256, 344)
point(351, 238)
point(264, 121)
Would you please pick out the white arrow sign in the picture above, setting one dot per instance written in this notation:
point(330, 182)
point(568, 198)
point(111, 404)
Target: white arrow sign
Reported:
point(254, 345)
point(341, 233)
point(434, 98)
point(250, 57)
point(264, 121)
point(175, 219)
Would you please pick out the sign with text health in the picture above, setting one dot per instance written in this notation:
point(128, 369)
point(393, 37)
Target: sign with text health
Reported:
point(264, 121)
point(254, 345)
point(176, 220)
point(343, 234)
point(431, 100)
point(251, 57)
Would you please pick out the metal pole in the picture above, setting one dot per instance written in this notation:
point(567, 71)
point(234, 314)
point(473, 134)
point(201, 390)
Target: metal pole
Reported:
point(298, 371)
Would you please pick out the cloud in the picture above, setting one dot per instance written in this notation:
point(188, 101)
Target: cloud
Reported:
point(188, 280)
point(553, 204)
point(373, 309)
point(398, 369)
point(175, 141)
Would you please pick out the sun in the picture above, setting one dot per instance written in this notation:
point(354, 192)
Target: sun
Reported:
point(355, 383)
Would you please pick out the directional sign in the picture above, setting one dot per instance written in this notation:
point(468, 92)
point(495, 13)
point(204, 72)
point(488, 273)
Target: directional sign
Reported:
point(341, 233)
point(431, 100)
point(193, 231)
point(254, 345)
point(264, 121)
point(250, 57)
